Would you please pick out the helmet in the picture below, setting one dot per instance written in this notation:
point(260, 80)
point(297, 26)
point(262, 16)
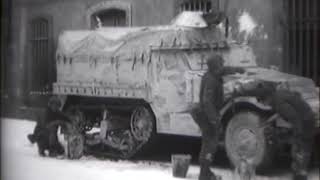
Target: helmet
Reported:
point(54, 103)
point(215, 63)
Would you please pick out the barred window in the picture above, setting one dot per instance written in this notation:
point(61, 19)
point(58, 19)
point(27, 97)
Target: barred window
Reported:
point(39, 53)
point(196, 5)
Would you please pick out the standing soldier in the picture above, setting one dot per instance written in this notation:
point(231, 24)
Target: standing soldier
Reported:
point(207, 115)
point(292, 108)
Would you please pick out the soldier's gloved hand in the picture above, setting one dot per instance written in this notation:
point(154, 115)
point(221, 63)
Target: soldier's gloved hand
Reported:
point(214, 120)
point(237, 90)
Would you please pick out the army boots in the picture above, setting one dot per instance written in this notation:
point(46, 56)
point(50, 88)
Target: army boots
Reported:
point(205, 172)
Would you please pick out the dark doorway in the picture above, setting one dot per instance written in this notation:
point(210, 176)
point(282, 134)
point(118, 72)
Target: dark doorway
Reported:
point(109, 17)
point(302, 38)
point(5, 46)
point(40, 57)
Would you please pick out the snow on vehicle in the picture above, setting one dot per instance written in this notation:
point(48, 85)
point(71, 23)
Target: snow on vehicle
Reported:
point(131, 83)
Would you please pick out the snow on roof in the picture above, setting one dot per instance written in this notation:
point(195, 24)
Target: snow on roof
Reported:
point(190, 19)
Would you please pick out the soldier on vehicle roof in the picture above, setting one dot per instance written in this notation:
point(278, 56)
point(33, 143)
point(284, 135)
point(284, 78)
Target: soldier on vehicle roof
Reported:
point(292, 108)
point(207, 115)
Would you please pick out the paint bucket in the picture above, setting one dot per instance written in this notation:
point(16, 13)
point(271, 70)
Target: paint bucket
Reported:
point(180, 164)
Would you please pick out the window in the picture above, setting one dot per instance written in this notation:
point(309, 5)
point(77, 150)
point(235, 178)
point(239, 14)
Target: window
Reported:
point(109, 13)
point(108, 17)
point(302, 37)
point(39, 54)
point(196, 5)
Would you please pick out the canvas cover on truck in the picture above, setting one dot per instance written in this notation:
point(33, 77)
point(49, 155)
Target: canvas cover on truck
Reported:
point(115, 41)
point(124, 42)
point(120, 56)
point(106, 50)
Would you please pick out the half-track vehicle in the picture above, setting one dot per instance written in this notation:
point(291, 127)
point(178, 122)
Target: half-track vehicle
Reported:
point(125, 85)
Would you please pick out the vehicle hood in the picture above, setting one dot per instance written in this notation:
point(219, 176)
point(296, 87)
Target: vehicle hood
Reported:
point(305, 86)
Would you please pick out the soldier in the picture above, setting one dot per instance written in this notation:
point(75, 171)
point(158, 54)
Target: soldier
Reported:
point(45, 133)
point(291, 107)
point(207, 115)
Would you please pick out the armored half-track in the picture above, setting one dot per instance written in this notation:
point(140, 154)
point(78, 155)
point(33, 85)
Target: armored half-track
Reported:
point(125, 85)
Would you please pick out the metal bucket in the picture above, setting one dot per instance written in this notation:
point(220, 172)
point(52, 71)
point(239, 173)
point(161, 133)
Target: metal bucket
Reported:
point(180, 164)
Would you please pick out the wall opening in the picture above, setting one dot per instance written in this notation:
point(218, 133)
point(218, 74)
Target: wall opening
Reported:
point(39, 51)
point(302, 38)
point(109, 17)
point(196, 5)
point(5, 44)
point(109, 13)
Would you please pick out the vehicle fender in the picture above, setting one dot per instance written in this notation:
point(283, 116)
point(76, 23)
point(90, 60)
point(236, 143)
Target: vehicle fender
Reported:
point(243, 102)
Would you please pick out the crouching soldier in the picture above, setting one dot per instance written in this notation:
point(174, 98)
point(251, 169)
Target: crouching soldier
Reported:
point(207, 115)
point(44, 134)
point(292, 108)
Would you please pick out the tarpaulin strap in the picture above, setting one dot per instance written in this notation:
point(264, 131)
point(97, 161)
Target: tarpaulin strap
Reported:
point(142, 58)
point(117, 62)
point(134, 62)
point(64, 59)
point(174, 43)
point(150, 57)
point(112, 60)
point(161, 43)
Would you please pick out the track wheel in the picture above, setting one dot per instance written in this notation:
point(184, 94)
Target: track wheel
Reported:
point(142, 124)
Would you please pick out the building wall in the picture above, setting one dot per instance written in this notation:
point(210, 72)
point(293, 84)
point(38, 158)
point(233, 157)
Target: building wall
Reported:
point(70, 15)
point(258, 23)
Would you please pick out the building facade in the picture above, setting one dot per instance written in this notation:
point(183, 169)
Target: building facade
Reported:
point(268, 26)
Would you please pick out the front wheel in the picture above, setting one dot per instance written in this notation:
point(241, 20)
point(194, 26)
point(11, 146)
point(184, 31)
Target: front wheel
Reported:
point(246, 137)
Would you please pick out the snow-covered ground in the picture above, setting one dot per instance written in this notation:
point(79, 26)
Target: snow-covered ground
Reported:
point(20, 161)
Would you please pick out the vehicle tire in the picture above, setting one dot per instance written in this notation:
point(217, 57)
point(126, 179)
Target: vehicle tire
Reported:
point(246, 137)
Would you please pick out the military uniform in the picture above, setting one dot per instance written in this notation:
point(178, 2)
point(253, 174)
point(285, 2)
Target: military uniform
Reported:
point(291, 107)
point(44, 134)
point(207, 114)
